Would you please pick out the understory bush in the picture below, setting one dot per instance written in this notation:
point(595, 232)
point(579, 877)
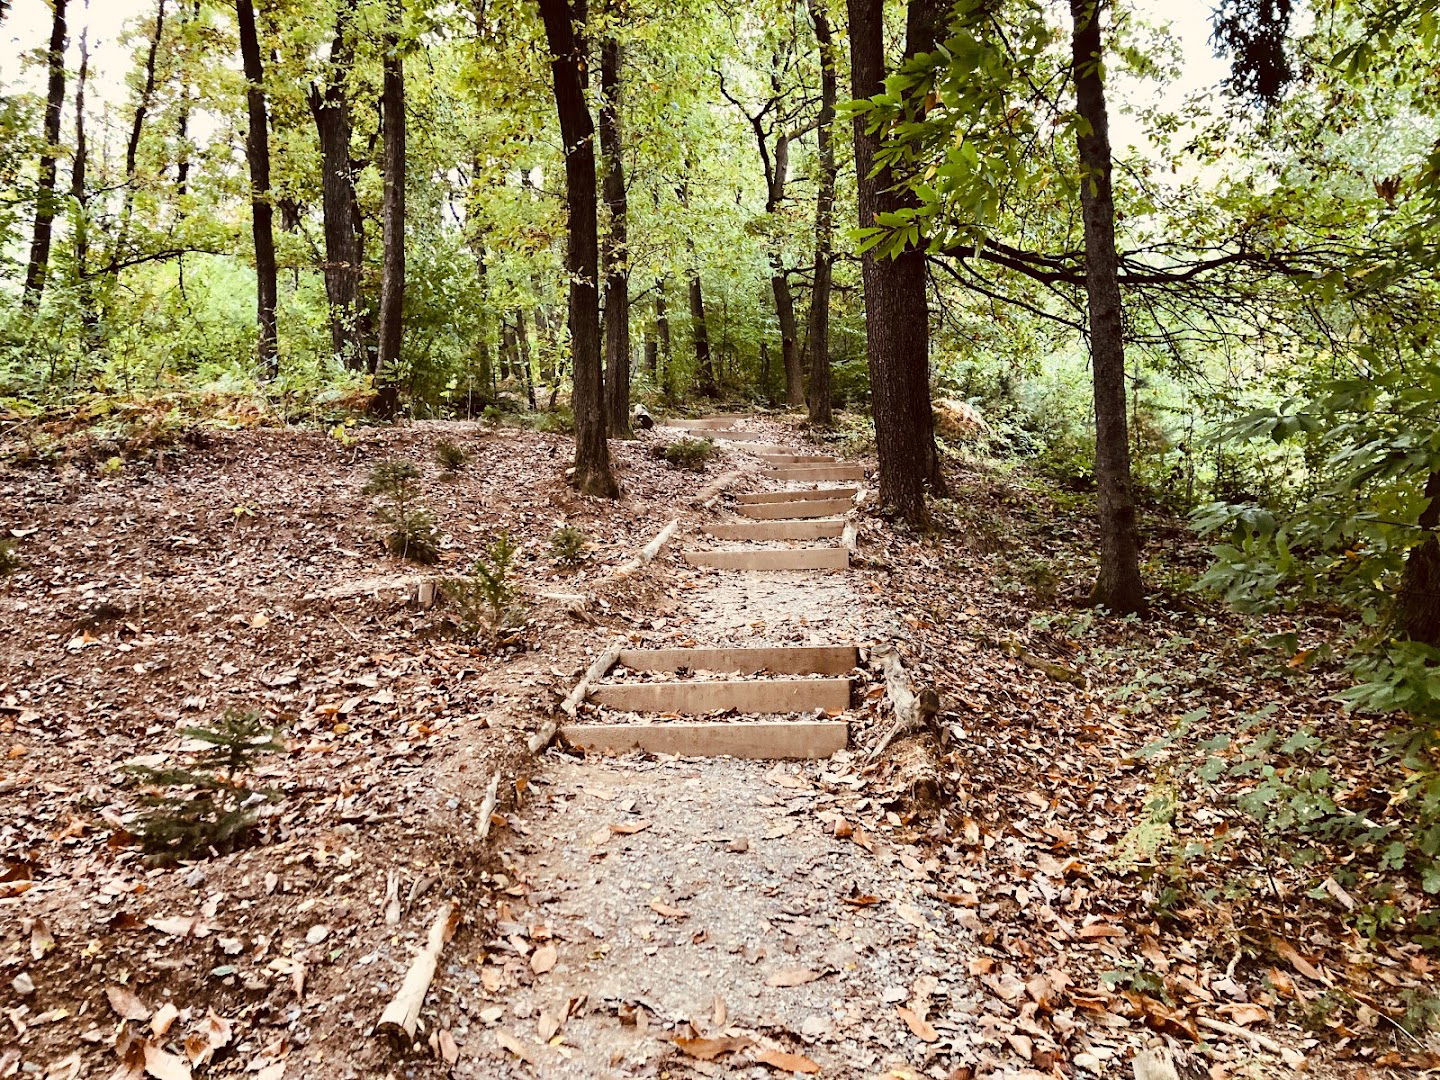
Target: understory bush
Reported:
point(412, 532)
point(685, 453)
point(487, 599)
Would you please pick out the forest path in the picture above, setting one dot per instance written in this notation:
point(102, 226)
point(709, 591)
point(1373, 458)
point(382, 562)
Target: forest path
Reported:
point(713, 916)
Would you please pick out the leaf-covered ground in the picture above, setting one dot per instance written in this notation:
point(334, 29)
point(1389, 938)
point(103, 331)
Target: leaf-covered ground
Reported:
point(1084, 893)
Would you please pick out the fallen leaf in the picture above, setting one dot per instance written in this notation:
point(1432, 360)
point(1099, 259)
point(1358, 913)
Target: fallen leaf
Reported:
point(918, 1025)
point(274, 1071)
point(41, 940)
point(126, 1003)
point(543, 959)
point(792, 977)
point(666, 911)
point(704, 1049)
point(163, 1065)
point(629, 828)
point(795, 1063)
point(515, 1046)
point(449, 1049)
point(178, 925)
point(163, 1018)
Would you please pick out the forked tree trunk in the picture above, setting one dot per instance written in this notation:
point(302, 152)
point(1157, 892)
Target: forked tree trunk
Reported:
point(392, 215)
point(897, 315)
point(45, 202)
point(582, 255)
point(704, 363)
point(616, 253)
point(331, 111)
point(819, 396)
point(262, 214)
point(1117, 586)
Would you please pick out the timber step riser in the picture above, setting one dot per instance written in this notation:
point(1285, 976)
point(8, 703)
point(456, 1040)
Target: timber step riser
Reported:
point(782, 660)
point(734, 436)
point(795, 496)
point(768, 560)
point(788, 740)
point(750, 697)
point(817, 529)
point(827, 474)
point(798, 459)
point(815, 509)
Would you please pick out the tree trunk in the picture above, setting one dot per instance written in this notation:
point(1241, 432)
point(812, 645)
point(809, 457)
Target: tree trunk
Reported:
point(262, 214)
point(1117, 586)
point(392, 215)
point(331, 110)
point(1417, 604)
point(662, 326)
point(704, 365)
point(137, 129)
point(582, 256)
point(616, 253)
point(45, 202)
point(897, 316)
point(789, 333)
point(527, 370)
point(89, 316)
point(819, 396)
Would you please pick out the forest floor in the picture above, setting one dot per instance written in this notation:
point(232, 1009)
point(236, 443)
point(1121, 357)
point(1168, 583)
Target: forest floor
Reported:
point(1071, 904)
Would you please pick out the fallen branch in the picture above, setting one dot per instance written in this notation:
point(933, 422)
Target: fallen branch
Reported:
point(1235, 1031)
point(913, 712)
point(603, 663)
point(403, 1013)
point(1058, 672)
point(650, 550)
point(712, 491)
point(487, 807)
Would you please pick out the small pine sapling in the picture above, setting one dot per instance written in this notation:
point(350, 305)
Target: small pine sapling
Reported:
point(567, 546)
point(451, 455)
point(207, 806)
point(488, 597)
point(686, 453)
point(9, 562)
point(413, 533)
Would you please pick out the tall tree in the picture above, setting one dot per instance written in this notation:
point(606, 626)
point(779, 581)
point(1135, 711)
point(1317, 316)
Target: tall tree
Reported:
point(392, 214)
point(45, 201)
point(79, 200)
point(819, 391)
point(615, 254)
point(262, 213)
point(344, 238)
point(897, 314)
point(700, 333)
point(1117, 586)
point(582, 255)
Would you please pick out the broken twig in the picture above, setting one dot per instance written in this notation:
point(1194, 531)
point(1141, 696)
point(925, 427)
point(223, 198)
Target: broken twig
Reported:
point(403, 1013)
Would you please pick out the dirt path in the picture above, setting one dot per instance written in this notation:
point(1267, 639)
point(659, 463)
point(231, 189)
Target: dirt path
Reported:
point(651, 902)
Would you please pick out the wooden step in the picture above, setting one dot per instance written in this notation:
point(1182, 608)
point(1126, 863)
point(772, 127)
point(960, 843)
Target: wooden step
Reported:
point(703, 423)
point(798, 459)
point(796, 496)
point(734, 436)
point(818, 473)
point(783, 659)
point(826, 558)
point(787, 739)
point(815, 529)
point(745, 696)
point(803, 509)
point(761, 450)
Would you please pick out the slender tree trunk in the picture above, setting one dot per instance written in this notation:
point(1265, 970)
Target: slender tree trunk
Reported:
point(262, 213)
point(523, 354)
point(45, 201)
point(789, 332)
point(704, 364)
point(582, 255)
point(331, 110)
point(80, 198)
point(1417, 604)
point(189, 18)
point(897, 316)
point(392, 269)
point(137, 129)
point(662, 325)
point(819, 397)
point(1117, 586)
point(616, 254)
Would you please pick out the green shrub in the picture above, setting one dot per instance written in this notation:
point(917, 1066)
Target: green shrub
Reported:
point(451, 455)
point(686, 453)
point(413, 533)
point(487, 599)
point(207, 806)
point(567, 546)
point(9, 561)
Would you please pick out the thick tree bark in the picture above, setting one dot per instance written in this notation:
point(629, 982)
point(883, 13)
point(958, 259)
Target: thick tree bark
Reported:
point(262, 214)
point(704, 363)
point(1417, 604)
point(819, 396)
point(582, 255)
point(331, 110)
point(616, 254)
point(897, 316)
point(392, 216)
point(45, 202)
point(1117, 586)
